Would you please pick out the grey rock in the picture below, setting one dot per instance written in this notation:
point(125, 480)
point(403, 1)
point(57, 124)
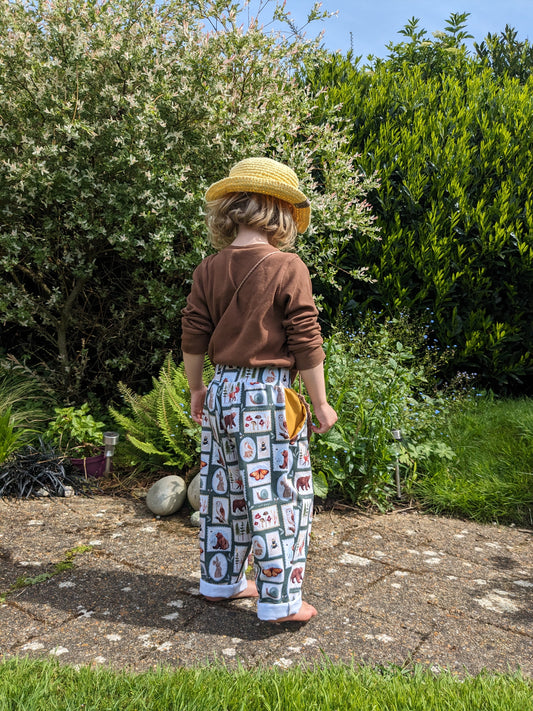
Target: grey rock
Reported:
point(195, 519)
point(193, 492)
point(166, 496)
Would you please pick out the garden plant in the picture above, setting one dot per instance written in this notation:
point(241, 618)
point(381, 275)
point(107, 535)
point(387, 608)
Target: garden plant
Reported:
point(23, 411)
point(40, 470)
point(158, 425)
point(377, 385)
point(114, 117)
point(74, 431)
point(443, 130)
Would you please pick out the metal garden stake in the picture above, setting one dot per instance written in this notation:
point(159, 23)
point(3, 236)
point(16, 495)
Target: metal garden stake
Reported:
point(110, 442)
point(397, 436)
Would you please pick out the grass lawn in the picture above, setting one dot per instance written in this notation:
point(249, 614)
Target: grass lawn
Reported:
point(42, 685)
point(491, 478)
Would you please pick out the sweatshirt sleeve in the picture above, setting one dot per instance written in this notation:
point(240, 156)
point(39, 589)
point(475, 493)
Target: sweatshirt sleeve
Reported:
point(300, 320)
point(196, 323)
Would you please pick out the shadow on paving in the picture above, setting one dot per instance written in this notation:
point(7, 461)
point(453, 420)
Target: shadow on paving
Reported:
point(146, 600)
point(502, 562)
point(399, 589)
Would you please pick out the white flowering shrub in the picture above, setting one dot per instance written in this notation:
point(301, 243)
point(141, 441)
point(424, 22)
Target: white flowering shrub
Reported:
point(114, 118)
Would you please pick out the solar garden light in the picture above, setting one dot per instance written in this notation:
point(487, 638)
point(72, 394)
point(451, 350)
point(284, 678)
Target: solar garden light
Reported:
point(397, 437)
point(110, 440)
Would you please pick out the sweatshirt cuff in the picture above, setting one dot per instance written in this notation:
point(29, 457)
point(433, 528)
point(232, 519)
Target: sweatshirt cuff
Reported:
point(195, 345)
point(308, 360)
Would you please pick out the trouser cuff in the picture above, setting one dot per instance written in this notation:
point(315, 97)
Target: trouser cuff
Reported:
point(273, 611)
point(212, 590)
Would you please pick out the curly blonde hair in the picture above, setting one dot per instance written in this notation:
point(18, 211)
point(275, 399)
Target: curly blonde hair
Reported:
point(268, 214)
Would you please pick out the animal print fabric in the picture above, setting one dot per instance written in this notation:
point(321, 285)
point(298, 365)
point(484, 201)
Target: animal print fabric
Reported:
point(256, 490)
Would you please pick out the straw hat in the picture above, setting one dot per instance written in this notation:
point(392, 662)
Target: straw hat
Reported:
point(268, 177)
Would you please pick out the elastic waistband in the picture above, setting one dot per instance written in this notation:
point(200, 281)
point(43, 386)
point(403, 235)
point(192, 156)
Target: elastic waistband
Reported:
point(269, 375)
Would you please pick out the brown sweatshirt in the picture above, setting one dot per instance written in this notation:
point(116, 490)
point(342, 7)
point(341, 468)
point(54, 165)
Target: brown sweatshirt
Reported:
point(271, 321)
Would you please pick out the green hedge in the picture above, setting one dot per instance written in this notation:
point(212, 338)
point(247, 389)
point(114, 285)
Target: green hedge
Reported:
point(449, 142)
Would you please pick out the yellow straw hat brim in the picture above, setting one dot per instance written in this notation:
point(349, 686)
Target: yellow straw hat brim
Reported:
point(267, 177)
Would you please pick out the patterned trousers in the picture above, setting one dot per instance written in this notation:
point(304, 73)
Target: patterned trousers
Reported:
point(256, 491)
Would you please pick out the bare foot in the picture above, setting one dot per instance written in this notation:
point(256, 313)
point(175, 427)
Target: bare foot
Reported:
point(249, 591)
point(304, 614)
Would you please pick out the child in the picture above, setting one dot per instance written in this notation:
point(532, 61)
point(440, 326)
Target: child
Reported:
point(251, 309)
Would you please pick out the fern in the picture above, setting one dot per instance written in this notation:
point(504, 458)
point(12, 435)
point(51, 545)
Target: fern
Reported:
point(159, 426)
point(176, 436)
point(145, 447)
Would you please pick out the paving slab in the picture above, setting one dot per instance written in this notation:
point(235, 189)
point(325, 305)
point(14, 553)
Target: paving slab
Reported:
point(472, 646)
point(402, 588)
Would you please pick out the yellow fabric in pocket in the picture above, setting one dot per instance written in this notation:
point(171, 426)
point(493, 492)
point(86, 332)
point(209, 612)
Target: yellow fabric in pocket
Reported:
point(295, 413)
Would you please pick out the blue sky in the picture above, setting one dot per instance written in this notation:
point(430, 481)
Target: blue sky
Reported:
point(374, 23)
